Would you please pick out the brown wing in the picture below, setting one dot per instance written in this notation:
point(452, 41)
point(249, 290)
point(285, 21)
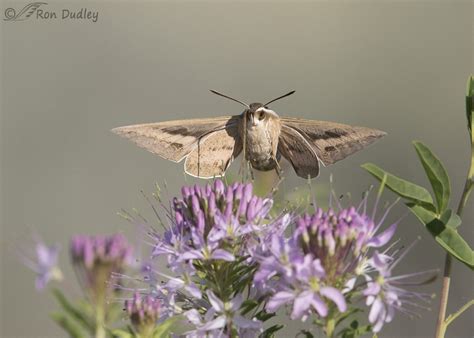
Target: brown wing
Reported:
point(174, 140)
point(331, 141)
point(296, 149)
point(213, 154)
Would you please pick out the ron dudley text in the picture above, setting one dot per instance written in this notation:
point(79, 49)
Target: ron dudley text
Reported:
point(68, 14)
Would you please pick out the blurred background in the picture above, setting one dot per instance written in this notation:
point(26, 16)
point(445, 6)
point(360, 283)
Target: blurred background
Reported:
point(399, 67)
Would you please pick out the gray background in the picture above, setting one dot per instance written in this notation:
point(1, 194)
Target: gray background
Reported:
point(399, 67)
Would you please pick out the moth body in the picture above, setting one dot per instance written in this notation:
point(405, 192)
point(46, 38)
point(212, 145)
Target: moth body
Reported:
point(262, 130)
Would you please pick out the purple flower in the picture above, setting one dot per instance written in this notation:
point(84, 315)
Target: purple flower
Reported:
point(305, 288)
point(384, 294)
point(95, 258)
point(143, 311)
point(220, 316)
point(44, 264)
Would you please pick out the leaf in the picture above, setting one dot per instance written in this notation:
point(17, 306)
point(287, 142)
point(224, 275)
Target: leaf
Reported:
point(263, 315)
point(424, 215)
point(270, 332)
point(470, 105)
point(68, 325)
point(73, 311)
point(121, 334)
point(447, 236)
point(436, 173)
point(400, 186)
point(248, 306)
point(445, 233)
point(305, 333)
point(163, 329)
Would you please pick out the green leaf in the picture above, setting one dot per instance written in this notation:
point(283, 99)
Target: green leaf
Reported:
point(424, 215)
point(68, 325)
point(437, 175)
point(163, 330)
point(73, 311)
point(270, 332)
point(470, 105)
point(305, 333)
point(400, 186)
point(121, 334)
point(248, 306)
point(447, 236)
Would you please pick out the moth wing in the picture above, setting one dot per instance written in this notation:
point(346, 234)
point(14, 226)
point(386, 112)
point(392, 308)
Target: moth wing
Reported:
point(174, 140)
point(213, 154)
point(299, 152)
point(332, 141)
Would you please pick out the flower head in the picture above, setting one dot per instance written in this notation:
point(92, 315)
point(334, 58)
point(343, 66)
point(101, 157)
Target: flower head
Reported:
point(44, 262)
point(143, 311)
point(96, 257)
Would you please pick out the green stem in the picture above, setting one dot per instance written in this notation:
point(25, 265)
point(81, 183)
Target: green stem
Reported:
point(100, 322)
point(330, 327)
point(442, 324)
point(459, 312)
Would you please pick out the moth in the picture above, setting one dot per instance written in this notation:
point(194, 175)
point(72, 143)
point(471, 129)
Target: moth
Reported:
point(209, 145)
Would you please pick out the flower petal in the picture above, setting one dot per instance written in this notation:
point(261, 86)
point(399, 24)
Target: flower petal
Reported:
point(217, 323)
point(301, 304)
point(216, 303)
point(278, 300)
point(246, 323)
point(382, 238)
point(223, 255)
point(336, 296)
point(319, 305)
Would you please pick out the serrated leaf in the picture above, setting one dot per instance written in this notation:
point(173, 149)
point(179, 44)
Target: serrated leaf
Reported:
point(451, 240)
point(73, 311)
point(437, 175)
point(406, 189)
point(68, 325)
point(121, 334)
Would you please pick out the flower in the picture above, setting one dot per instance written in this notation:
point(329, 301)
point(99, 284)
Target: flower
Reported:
point(143, 311)
point(44, 264)
point(219, 315)
point(304, 286)
point(95, 258)
point(383, 292)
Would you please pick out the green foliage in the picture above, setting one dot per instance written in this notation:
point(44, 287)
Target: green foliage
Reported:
point(440, 221)
point(404, 188)
point(354, 330)
point(68, 324)
point(163, 330)
point(436, 174)
point(270, 332)
point(470, 105)
point(73, 313)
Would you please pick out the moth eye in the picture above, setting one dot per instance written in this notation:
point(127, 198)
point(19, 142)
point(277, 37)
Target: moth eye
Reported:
point(261, 117)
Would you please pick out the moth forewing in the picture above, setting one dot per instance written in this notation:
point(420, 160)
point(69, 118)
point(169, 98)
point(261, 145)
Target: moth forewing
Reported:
point(174, 140)
point(332, 141)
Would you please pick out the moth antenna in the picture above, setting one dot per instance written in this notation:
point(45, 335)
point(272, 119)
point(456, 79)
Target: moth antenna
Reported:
point(230, 98)
point(280, 97)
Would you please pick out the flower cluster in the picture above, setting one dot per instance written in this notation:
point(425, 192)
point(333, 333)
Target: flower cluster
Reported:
point(209, 247)
point(327, 261)
point(95, 258)
point(144, 312)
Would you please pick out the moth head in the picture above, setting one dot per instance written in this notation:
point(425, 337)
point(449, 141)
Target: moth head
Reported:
point(257, 114)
